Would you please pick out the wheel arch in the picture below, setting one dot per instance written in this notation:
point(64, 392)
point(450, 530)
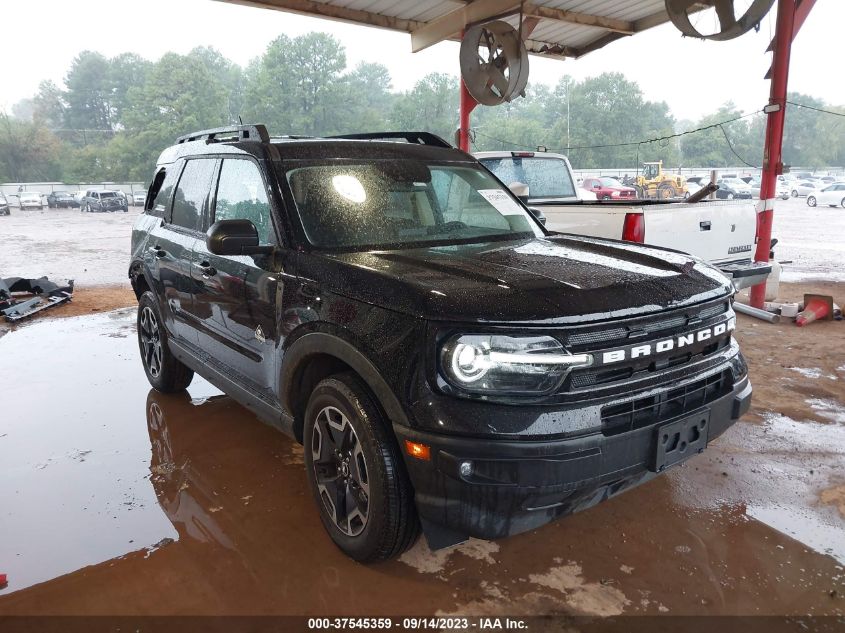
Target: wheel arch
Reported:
point(317, 355)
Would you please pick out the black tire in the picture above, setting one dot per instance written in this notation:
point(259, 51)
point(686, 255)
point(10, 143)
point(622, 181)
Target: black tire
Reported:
point(383, 522)
point(730, 196)
point(811, 201)
point(165, 372)
point(842, 204)
point(794, 193)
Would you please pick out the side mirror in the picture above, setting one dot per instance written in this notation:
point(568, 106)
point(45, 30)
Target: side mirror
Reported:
point(537, 213)
point(234, 237)
point(520, 190)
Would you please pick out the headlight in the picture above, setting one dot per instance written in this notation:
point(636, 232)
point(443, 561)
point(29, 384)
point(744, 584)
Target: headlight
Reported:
point(490, 364)
point(614, 194)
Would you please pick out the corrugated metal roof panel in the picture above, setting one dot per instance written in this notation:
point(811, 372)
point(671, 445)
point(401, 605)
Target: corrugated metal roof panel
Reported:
point(570, 27)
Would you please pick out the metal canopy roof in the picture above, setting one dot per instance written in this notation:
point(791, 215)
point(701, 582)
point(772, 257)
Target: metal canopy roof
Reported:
point(551, 28)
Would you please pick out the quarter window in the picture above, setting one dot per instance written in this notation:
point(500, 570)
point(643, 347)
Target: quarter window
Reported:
point(241, 195)
point(192, 193)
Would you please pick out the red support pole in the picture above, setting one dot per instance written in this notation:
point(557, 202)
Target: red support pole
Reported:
point(467, 105)
point(772, 158)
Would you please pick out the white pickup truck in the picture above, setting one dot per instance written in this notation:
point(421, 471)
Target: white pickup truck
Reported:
point(721, 232)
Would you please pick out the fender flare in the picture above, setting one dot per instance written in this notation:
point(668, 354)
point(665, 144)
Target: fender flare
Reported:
point(322, 343)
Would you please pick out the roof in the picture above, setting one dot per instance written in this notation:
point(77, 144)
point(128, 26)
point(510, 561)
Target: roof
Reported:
point(551, 28)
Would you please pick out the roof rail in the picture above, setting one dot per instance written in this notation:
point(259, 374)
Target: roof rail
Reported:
point(255, 132)
point(419, 138)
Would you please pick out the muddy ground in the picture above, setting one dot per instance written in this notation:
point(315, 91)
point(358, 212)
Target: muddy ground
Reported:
point(132, 502)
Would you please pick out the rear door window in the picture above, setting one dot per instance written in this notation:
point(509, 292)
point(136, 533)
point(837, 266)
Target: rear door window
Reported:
point(192, 193)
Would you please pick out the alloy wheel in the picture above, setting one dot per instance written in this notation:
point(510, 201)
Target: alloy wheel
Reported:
point(340, 471)
point(151, 342)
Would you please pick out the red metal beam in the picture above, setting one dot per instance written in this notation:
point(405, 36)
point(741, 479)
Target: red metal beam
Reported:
point(772, 158)
point(467, 105)
point(802, 10)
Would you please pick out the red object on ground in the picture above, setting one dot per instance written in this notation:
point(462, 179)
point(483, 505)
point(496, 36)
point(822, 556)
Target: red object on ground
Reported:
point(815, 310)
point(3, 581)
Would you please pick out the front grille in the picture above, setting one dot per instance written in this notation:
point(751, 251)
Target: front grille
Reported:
point(642, 412)
point(620, 334)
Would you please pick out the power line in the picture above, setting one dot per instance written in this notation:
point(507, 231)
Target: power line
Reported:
point(631, 143)
point(801, 105)
point(747, 164)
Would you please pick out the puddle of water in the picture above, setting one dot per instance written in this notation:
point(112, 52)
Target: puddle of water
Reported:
point(804, 526)
point(117, 499)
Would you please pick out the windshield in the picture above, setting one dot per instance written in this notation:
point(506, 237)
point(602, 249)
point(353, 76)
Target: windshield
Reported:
point(545, 177)
point(406, 202)
point(611, 182)
point(108, 194)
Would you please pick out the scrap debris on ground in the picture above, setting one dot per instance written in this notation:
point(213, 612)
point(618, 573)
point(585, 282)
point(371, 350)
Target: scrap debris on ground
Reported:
point(21, 297)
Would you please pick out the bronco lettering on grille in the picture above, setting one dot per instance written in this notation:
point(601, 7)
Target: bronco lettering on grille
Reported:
point(667, 345)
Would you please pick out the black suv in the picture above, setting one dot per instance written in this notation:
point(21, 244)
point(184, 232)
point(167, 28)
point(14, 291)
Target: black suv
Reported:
point(445, 360)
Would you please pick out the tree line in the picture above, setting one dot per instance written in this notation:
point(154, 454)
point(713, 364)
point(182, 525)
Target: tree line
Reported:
point(112, 116)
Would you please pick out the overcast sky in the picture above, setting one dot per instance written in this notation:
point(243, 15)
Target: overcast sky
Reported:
point(40, 39)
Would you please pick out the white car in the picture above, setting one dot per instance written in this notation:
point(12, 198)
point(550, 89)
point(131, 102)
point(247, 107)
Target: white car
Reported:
point(30, 200)
point(139, 198)
point(832, 195)
point(803, 188)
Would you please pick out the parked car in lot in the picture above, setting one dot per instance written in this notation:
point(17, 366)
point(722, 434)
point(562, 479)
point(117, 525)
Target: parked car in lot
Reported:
point(803, 188)
point(96, 200)
point(30, 200)
point(731, 188)
point(138, 198)
point(606, 188)
point(4, 205)
point(61, 200)
point(445, 361)
point(832, 195)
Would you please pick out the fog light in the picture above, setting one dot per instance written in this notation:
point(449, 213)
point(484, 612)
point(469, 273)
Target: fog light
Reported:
point(466, 469)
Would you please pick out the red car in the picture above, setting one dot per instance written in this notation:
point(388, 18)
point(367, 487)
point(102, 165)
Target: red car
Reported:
point(609, 189)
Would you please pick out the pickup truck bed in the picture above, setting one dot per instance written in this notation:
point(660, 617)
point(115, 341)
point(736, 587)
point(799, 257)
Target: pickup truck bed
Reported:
point(721, 232)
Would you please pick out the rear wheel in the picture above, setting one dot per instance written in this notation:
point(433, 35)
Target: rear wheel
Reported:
point(730, 196)
point(356, 473)
point(794, 193)
point(666, 192)
point(165, 372)
point(842, 204)
point(811, 201)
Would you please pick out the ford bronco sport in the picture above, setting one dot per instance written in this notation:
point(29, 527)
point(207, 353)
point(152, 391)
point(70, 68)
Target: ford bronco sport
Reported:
point(445, 360)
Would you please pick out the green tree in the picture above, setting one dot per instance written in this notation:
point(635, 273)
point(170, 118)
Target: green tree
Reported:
point(28, 151)
point(126, 71)
point(48, 106)
point(89, 94)
point(431, 105)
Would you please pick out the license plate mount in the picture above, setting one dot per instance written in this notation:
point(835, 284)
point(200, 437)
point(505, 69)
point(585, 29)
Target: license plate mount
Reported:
point(681, 439)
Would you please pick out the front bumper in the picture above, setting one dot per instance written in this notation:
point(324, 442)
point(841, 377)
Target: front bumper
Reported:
point(518, 485)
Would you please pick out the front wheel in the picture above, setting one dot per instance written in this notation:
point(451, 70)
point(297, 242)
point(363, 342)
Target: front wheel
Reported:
point(794, 193)
point(811, 201)
point(730, 196)
point(356, 473)
point(165, 372)
point(842, 204)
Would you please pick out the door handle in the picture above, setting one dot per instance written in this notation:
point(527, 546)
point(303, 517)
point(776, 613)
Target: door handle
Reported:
point(158, 251)
point(206, 269)
point(704, 226)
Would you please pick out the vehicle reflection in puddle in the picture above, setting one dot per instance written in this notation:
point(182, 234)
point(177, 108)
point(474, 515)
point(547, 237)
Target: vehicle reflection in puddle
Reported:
point(213, 516)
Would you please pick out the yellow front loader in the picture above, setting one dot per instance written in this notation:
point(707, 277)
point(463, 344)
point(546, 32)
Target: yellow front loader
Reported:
point(653, 182)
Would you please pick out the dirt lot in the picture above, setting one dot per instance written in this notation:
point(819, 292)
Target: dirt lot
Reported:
point(187, 504)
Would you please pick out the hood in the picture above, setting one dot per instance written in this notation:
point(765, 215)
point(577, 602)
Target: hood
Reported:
point(556, 280)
